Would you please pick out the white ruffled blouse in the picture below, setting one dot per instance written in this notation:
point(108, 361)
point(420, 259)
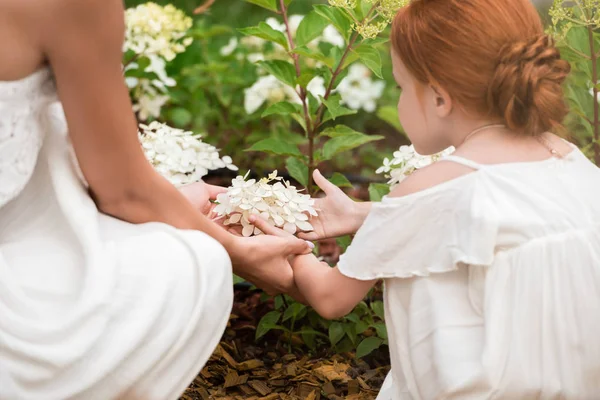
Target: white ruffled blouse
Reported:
point(492, 282)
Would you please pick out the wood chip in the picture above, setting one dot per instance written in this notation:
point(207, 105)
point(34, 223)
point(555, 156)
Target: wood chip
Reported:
point(329, 373)
point(232, 379)
point(250, 365)
point(272, 396)
point(353, 387)
point(262, 388)
point(328, 388)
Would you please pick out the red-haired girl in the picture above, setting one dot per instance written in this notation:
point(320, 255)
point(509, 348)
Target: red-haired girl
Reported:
point(490, 257)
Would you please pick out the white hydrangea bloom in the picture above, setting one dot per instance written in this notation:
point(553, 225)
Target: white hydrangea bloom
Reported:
point(592, 92)
point(332, 36)
point(149, 105)
point(280, 204)
point(230, 47)
point(358, 90)
point(178, 155)
point(405, 161)
point(155, 30)
point(268, 89)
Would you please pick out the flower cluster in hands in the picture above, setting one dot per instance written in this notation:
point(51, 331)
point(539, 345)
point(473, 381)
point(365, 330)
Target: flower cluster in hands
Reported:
point(405, 161)
point(178, 155)
point(278, 203)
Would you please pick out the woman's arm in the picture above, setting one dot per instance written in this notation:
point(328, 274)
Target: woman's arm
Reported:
point(82, 41)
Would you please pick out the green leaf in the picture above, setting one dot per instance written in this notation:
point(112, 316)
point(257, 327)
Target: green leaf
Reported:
point(237, 279)
point(295, 310)
point(268, 4)
point(336, 333)
point(353, 317)
point(276, 146)
point(350, 332)
point(371, 58)
point(338, 18)
point(340, 180)
point(334, 109)
point(282, 70)
point(278, 302)
point(264, 31)
point(367, 346)
point(344, 241)
point(378, 190)
point(344, 139)
point(282, 108)
point(266, 323)
point(377, 307)
point(361, 327)
point(180, 117)
point(381, 330)
point(315, 54)
point(309, 338)
point(390, 115)
point(310, 28)
point(297, 170)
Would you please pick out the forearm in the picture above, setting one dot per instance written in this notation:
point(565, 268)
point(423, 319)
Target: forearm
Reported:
point(330, 293)
point(154, 199)
point(358, 215)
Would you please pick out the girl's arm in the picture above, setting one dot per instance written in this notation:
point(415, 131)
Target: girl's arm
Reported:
point(330, 293)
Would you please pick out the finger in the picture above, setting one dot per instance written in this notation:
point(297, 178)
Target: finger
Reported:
point(214, 191)
point(267, 228)
point(311, 236)
point(323, 183)
point(299, 246)
point(236, 231)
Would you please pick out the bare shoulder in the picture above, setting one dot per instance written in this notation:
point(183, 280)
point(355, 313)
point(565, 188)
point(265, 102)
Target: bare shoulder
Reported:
point(92, 19)
point(430, 176)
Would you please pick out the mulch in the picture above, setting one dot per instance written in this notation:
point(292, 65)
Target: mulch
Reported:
point(241, 368)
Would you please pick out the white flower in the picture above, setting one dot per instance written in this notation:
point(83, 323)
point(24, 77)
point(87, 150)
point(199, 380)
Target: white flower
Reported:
point(405, 161)
point(155, 30)
point(317, 87)
point(332, 36)
point(280, 204)
point(158, 66)
point(358, 90)
point(180, 156)
point(592, 92)
point(149, 106)
point(230, 47)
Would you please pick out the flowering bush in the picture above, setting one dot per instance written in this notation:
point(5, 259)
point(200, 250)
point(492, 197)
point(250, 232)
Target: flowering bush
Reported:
point(280, 204)
point(180, 156)
point(154, 36)
point(576, 27)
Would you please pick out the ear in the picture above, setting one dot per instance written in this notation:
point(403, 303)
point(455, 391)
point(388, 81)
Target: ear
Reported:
point(442, 101)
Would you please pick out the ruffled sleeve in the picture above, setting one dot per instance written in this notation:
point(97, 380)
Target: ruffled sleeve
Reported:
point(432, 231)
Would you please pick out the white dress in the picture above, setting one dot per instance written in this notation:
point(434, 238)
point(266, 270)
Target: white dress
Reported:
point(492, 282)
point(92, 307)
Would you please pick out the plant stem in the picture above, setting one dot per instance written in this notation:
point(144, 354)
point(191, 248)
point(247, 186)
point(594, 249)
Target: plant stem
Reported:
point(297, 65)
point(596, 126)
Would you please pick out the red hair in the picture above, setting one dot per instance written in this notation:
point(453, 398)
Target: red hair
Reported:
point(492, 57)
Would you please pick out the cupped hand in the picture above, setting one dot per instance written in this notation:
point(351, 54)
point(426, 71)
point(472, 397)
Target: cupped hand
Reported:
point(264, 261)
point(200, 195)
point(339, 215)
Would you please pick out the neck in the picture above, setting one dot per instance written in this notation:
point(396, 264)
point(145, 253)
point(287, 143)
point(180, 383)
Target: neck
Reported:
point(465, 131)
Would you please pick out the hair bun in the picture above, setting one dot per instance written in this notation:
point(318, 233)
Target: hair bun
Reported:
point(526, 88)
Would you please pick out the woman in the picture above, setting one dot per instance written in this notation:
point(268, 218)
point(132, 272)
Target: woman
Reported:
point(112, 284)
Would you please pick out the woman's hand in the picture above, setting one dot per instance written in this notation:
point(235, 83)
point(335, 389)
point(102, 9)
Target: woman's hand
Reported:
point(200, 194)
point(264, 261)
point(339, 215)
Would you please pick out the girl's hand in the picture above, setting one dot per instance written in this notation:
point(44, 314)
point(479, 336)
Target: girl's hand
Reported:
point(200, 194)
point(339, 215)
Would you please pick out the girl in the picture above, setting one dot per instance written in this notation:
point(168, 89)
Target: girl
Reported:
point(491, 257)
